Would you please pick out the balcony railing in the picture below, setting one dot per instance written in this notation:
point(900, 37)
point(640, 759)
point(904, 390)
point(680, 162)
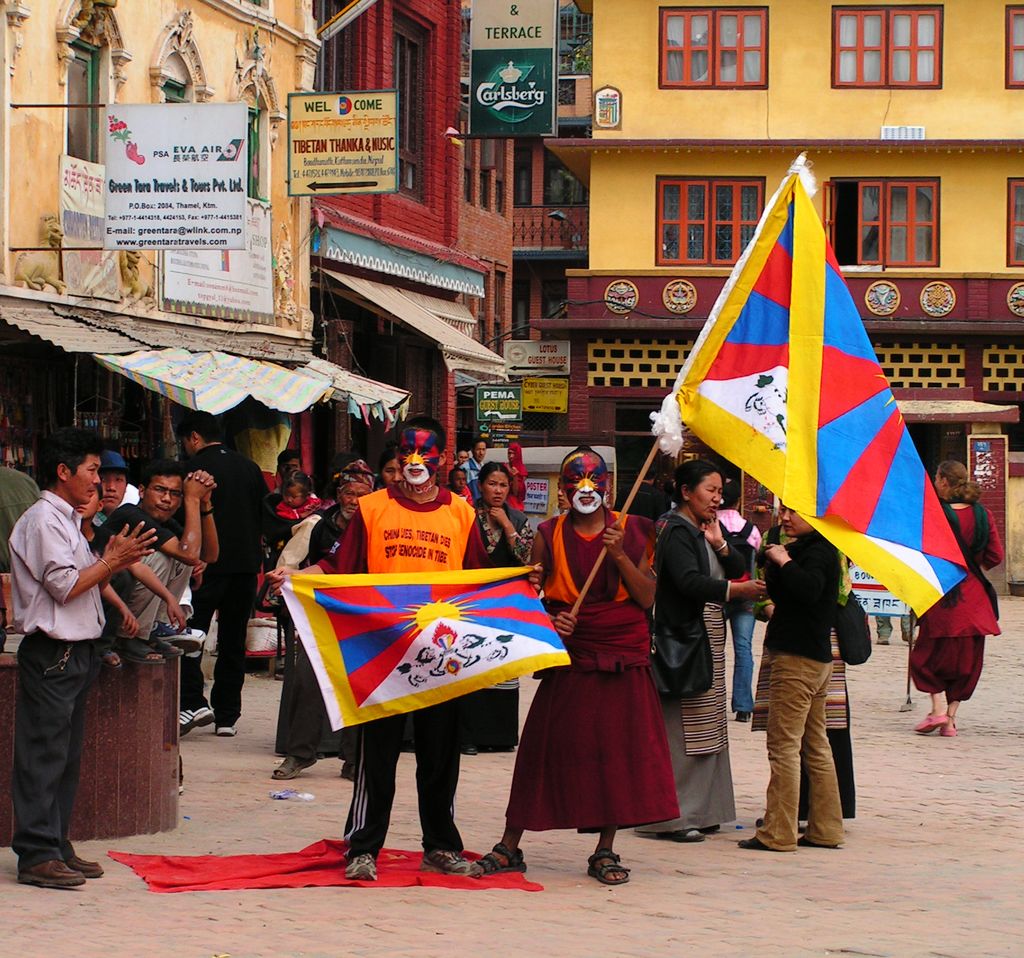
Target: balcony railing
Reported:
point(550, 227)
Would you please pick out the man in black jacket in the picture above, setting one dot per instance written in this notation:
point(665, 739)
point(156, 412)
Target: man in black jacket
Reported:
point(229, 584)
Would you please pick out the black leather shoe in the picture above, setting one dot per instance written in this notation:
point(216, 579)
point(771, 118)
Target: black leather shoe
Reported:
point(89, 869)
point(755, 844)
point(742, 716)
point(807, 843)
point(51, 874)
point(470, 750)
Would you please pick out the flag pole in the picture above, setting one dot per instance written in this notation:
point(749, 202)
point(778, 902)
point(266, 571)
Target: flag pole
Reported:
point(618, 524)
point(908, 705)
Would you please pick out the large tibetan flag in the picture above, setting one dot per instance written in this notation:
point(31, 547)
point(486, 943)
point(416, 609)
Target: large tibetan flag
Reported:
point(386, 644)
point(783, 382)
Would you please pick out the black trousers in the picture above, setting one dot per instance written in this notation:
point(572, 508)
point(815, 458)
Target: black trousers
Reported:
point(437, 776)
point(232, 596)
point(49, 724)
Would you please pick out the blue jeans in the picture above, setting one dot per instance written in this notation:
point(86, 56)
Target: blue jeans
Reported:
point(741, 624)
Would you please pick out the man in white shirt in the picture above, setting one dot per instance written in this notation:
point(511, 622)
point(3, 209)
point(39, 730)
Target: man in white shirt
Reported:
point(55, 591)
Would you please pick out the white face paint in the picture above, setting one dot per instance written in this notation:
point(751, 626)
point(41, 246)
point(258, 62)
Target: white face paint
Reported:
point(416, 474)
point(586, 500)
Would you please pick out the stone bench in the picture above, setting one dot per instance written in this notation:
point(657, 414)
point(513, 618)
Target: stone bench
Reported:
point(129, 780)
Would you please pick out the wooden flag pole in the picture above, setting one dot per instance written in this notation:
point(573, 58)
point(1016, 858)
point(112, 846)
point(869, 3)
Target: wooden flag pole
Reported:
point(618, 523)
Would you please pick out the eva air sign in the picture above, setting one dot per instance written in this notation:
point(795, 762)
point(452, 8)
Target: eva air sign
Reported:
point(513, 68)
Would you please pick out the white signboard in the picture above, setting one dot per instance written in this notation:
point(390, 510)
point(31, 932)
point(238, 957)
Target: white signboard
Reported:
point(176, 176)
point(875, 597)
point(227, 285)
point(537, 491)
point(528, 357)
point(91, 272)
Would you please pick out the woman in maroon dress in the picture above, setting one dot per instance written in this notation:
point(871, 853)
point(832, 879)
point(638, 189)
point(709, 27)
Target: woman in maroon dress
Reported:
point(947, 657)
point(593, 754)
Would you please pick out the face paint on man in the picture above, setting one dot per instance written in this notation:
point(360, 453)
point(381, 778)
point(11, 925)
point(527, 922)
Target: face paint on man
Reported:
point(418, 456)
point(585, 481)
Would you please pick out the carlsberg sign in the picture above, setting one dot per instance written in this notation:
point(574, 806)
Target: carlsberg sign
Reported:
point(513, 68)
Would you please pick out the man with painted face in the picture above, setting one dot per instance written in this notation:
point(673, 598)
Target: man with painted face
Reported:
point(593, 754)
point(387, 534)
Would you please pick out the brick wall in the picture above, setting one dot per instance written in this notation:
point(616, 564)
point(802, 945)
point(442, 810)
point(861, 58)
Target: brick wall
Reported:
point(435, 215)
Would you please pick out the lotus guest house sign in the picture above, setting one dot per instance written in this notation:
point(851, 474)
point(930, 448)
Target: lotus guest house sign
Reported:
point(513, 68)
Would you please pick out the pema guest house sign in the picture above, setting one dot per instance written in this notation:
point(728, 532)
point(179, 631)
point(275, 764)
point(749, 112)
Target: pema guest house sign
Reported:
point(513, 68)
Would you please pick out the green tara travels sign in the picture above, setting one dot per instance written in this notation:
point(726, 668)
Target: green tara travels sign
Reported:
point(513, 68)
point(499, 403)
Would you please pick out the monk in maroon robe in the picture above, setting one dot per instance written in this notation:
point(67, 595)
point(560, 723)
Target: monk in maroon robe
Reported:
point(593, 754)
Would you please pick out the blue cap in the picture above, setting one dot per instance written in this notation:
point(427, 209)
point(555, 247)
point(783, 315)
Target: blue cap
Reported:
point(109, 459)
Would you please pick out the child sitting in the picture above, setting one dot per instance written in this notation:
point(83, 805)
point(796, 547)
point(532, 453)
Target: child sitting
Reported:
point(297, 499)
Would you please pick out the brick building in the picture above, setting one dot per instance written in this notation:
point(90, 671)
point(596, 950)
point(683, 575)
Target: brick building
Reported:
point(408, 286)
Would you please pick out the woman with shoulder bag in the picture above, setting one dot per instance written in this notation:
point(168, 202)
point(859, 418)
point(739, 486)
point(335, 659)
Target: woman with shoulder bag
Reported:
point(837, 701)
point(693, 563)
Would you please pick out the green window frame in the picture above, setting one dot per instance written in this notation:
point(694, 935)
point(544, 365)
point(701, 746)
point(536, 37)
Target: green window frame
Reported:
point(83, 86)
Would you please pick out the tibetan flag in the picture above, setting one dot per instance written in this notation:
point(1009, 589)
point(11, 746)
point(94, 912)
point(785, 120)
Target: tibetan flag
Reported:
point(387, 644)
point(783, 382)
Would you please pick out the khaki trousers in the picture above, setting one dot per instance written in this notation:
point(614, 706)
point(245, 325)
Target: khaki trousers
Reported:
point(796, 727)
point(148, 607)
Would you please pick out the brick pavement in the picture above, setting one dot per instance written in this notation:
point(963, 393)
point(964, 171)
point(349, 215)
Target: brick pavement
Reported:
point(932, 865)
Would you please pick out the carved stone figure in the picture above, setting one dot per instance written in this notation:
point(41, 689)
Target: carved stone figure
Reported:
point(41, 268)
point(89, 10)
point(133, 285)
point(284, 282)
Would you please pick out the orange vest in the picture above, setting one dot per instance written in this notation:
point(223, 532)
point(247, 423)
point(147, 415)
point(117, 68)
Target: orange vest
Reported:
point(560, 584)
point(404, 540)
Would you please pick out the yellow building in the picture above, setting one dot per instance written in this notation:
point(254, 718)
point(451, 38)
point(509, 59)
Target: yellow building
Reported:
point(910, 116)
point(67, 65)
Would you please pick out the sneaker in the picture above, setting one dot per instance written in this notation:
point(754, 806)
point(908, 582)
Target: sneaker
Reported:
point(189, 719)
point(361, 868)
point(189, 641)
point(446, 863)
point(226, 731)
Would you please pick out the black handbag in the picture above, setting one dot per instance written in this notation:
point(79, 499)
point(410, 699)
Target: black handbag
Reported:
point(852, 632)
point(681, 660)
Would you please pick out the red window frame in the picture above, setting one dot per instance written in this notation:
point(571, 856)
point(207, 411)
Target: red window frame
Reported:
point(713, 48)
point(884, 221)
point(1013, 15)
point(709, 221)
point(886, 47)
point(1014, 187)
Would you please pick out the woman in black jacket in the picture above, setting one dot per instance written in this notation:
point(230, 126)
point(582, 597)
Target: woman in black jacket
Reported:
point(803, 582)
point(693, 563)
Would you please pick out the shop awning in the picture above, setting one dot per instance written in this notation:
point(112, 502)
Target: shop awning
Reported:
point(366, 398)
point(216, 382)
point(956, 410)
point(71, 336)
point(458, 349)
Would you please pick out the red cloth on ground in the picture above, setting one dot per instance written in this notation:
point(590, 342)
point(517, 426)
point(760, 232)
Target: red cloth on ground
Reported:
point(593, 751)
point(320, 865)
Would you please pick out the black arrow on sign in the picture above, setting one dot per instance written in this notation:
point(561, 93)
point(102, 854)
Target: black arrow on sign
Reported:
point(359, 184)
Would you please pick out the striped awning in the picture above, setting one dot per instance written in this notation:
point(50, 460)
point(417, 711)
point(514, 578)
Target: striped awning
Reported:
point(215, 382)
point(367, 398)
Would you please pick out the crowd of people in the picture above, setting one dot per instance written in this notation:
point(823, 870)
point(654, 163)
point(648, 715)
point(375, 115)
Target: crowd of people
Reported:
point(105, 573)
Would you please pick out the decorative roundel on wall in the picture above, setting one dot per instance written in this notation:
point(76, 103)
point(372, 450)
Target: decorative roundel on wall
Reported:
point(679, 296)
point(938, 299)
point(621, 296)
point(882, 298)
point(1015, 299)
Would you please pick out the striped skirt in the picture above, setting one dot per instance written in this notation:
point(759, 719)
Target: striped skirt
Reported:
point(704, 717)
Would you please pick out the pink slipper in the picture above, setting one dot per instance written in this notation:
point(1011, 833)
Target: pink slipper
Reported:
point(930, 723)
point(948, 730)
